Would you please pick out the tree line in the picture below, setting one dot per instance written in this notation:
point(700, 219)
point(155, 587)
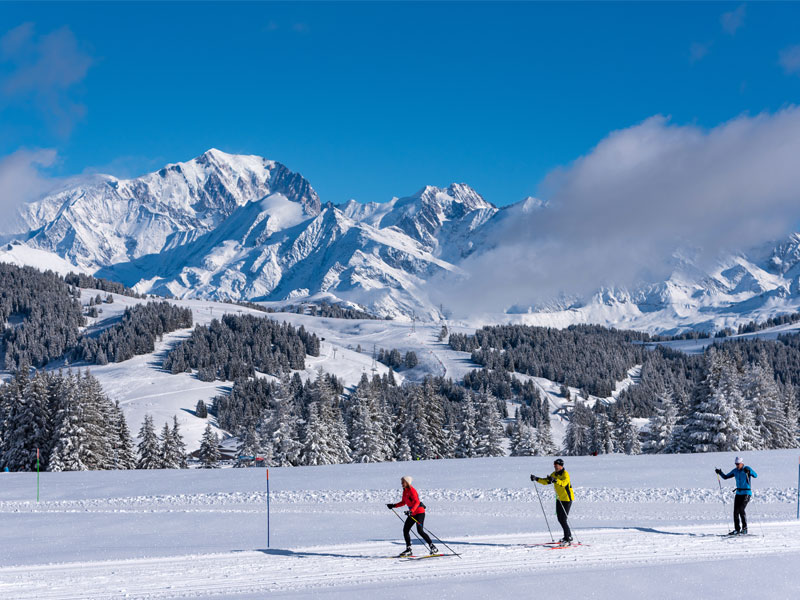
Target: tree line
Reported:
point(589, 357)
point(135, 334)
point(75, 427)
point(291, 422)
point(39, 314)
point(239, 345)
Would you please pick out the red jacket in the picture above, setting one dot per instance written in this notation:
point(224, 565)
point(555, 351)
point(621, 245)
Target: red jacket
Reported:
point(411, 500)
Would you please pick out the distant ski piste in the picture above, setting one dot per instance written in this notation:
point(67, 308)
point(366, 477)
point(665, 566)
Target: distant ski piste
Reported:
point(202, 534)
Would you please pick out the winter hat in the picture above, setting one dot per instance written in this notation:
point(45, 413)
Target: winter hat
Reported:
point(406, 478)
point(559, 461)
point(738, 460)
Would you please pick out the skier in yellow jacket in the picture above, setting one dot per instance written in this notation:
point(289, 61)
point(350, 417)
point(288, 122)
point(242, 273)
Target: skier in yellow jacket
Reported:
point(564, 495)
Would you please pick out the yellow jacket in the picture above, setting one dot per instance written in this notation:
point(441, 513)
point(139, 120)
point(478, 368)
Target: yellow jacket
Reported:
point(562, 485)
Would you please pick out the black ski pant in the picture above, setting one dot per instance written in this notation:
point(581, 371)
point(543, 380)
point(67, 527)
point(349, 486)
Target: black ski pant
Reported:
point(562, 510)
point(410, 522)
point(739, 505)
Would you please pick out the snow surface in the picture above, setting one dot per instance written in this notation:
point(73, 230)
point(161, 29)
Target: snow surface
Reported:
point(650, 526)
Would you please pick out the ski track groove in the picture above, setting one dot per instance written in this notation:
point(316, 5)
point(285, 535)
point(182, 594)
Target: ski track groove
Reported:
point(313, 568)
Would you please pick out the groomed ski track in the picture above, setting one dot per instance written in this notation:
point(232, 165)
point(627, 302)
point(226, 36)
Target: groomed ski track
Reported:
point(319, 568)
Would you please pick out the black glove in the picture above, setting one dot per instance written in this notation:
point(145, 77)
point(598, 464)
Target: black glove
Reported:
point(407, 513)
point(534, 478)
point(390, 505)
point(747, 470)
point(718, 471)
point(551, 479)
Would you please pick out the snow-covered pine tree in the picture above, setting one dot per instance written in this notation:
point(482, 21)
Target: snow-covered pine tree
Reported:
point(415, 429)
point(489, 429)
point(167, 450)
point(180, 445)
point(27, 422)
point(433, 410)
point(604, 438)
point(404, 450)
point(662, 425)
point(124, 453)
point(467, 445)
point(68, 431)
point(284, 436)
point(523, 441)
point(97, 424)
point(578, 438)
point(792, 412)
point(149, 454)
point(249, 441)
point(762, 397)
point(365, 431)
point(201, 411)
point(316, 449)
point(544, 439)
point(711, 424)
point(209, 449)
point(627, 434)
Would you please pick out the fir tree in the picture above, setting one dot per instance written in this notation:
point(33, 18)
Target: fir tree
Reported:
point(179, 444)
point(124, 453)
point(209, 449)
point(712, 425)
point(149, 453)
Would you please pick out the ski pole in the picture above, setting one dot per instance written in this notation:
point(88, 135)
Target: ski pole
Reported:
point(536, 487)
point(721, 494)
point(436, 536)
point(412, 530)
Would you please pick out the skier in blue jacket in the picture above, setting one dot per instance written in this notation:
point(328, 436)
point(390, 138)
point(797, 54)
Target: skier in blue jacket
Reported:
point(744, 492)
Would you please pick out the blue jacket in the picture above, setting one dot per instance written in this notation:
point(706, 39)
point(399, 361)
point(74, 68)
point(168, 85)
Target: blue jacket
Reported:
point(742, 480)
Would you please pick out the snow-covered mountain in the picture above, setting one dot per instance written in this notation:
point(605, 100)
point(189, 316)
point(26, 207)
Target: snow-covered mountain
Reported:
point(108, 220)
point(227, 226)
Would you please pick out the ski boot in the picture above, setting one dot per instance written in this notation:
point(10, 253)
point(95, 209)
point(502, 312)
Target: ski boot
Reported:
point(744, 531)
point(434, 549)
point(406, 552)
point(735, 532)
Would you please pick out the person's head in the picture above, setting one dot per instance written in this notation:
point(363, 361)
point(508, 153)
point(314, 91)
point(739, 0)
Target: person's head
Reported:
point(558, 464)
point(405, 481)
point(739, 461)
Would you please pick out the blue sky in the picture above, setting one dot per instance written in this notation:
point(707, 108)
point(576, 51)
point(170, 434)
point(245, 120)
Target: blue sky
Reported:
point(368, 100)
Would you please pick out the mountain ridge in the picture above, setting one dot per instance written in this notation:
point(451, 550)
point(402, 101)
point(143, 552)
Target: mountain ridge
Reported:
point(243, 227)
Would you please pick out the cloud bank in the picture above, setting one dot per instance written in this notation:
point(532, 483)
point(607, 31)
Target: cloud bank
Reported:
point(22, 179)
point(617, 216)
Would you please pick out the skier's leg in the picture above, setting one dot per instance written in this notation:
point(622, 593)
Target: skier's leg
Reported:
point(745, 500)
point(421, 519)
point(737, 510)
point(562, 509)
point(406, 529)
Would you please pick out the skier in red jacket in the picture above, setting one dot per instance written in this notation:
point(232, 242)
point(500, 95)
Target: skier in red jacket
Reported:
point(414, 514)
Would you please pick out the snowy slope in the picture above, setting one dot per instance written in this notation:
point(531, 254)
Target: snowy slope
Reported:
point(644, 521)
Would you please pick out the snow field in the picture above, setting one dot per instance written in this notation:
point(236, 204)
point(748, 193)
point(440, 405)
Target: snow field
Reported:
point(202, 534)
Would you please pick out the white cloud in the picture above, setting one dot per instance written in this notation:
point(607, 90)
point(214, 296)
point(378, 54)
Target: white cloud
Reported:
point(732, 21)
point(22, 179)
point(789, 59)
point(617, 215)
point(44, 70)
point(698, 51)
